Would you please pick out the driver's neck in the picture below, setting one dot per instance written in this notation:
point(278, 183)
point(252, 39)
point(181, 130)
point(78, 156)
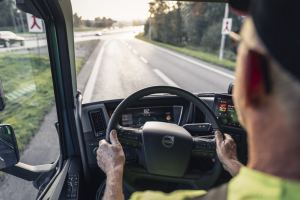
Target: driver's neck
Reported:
point(274, 147)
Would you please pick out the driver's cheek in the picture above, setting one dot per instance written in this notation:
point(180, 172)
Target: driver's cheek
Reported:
point(239, 91)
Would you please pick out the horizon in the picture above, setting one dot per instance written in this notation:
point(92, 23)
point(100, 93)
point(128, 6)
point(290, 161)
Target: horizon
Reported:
point(125, 11)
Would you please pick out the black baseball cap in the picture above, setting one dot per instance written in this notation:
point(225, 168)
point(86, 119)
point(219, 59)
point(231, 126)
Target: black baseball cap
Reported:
point(277, 24)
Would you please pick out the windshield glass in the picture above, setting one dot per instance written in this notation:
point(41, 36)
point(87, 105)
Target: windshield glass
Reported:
point(148, 43)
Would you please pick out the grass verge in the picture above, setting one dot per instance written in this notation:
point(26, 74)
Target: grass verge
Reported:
point(189, 51)
point(28, 87)
point(18, 73)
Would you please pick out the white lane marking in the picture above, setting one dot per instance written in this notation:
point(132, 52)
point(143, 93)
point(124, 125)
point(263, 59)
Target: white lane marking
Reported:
point(166, 79)
point(144, 60)
point(194, 62)
point(89, 88)
point(135, 52)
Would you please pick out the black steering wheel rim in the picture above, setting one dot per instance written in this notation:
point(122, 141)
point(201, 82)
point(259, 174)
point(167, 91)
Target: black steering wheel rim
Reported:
point(114, 123)
point(130, 100)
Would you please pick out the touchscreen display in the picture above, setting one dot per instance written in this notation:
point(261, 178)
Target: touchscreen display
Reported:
point(137, 117)
point(225, 111)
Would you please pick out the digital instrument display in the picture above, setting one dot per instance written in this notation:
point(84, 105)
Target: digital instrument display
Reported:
point(137, 117)
point(225, 111)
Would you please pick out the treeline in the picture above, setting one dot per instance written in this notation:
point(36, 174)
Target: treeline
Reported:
point(194, 24)
point(11, 17)
point(98, 22)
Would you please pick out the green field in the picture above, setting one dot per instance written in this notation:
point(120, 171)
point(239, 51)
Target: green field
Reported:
point(27, 81)
point(193, 52)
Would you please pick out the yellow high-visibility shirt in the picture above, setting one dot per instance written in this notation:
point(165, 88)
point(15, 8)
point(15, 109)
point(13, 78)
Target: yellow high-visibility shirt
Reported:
point(247, 185)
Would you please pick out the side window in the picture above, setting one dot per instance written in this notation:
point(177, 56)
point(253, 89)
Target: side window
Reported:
point(25, 74)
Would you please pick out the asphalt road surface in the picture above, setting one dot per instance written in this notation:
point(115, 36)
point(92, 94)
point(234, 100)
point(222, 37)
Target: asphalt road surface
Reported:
point(126, 64)
point(40, 40)
point(119, 66)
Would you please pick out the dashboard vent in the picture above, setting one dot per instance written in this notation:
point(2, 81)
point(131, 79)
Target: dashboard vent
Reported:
point(98, 122)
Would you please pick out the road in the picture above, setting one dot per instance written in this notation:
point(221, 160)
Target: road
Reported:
point(119, 66)
point(40, 40)
point(127, 64)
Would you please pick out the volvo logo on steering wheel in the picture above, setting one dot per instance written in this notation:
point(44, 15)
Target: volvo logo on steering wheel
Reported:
point(168, 141)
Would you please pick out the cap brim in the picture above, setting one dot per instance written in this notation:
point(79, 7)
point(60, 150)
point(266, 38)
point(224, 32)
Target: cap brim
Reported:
point(240, 6)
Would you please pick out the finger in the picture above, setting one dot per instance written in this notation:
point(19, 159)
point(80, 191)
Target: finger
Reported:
point(228, 137)
point(102, 142)
point(100, 165)
point(114, 138)
point(219, 138)
point(101, 147)
point(98, 152)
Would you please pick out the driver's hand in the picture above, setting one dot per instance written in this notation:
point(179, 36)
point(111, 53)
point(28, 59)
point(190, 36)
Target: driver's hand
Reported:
point(110, 157)
point(227, 153)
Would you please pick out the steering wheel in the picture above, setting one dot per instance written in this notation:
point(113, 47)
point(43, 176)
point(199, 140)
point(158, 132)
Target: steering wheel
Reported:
point(165, 149)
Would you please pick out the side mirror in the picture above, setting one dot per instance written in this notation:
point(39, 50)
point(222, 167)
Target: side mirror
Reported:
point(230, 88)
point(9, 152)
point(2, 97)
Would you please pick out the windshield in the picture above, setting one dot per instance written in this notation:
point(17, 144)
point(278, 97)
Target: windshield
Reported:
point(149, 43)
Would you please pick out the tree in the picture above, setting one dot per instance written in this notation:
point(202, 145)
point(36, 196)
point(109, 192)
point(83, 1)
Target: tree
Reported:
point(178, 21)
point(194, 24)
point(8, 12)
point(103, 22)
point(88, 23)
point(158, 10)
point(211, 38)
point(77, 20)
point(165, 23)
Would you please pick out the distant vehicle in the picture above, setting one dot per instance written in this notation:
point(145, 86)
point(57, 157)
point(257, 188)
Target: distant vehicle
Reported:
point(99, 33)
point(8, 38)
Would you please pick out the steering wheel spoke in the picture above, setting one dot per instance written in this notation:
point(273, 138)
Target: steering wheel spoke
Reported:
point(198, 127)
point(165, 149)
point(204, 146)
point(129, 136)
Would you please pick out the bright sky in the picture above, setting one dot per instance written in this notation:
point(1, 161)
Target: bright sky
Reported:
point(116, 9)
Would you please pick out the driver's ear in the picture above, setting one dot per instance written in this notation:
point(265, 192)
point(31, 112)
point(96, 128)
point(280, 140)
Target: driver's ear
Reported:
point(257, 83)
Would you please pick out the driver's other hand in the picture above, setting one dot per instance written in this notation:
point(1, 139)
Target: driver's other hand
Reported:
point(227, 153)
point(226, 147)
point(110, 157)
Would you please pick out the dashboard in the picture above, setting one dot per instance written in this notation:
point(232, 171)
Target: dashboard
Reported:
point(164, 108)
point(137, 117)
point(225, 111)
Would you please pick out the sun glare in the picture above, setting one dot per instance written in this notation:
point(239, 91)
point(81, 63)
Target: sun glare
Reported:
point(115, 9)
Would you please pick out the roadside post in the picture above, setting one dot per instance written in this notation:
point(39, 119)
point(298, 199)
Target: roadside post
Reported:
point(21, 19)
point(226, 29)
point(35, 25)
